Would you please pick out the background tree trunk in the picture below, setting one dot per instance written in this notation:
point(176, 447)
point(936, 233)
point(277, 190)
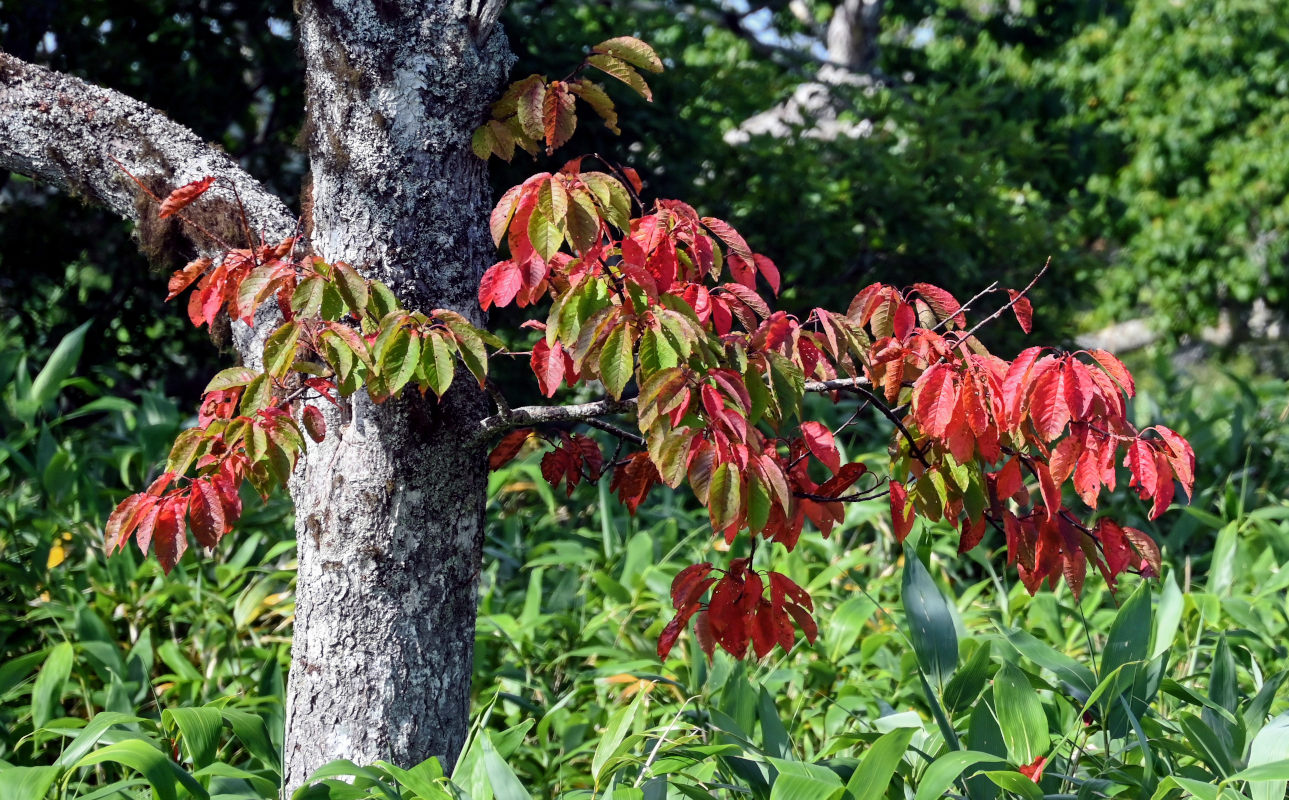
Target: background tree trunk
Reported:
point(389, 510)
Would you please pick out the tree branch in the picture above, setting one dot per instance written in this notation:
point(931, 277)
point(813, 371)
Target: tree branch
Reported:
point(509, 419)
point(66, 132)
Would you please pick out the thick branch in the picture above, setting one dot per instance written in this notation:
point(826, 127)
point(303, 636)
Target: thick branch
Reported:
point(64, 131)
point(509, 419)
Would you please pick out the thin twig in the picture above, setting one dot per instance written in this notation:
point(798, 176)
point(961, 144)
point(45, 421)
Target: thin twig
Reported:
point(1011, 303)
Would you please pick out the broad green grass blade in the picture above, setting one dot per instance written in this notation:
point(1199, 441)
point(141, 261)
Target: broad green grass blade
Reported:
point(873, 775)
point(946, 769)
point(48, 691)
point(930, 622)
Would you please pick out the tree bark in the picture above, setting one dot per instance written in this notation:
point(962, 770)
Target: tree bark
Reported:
point(390, 510)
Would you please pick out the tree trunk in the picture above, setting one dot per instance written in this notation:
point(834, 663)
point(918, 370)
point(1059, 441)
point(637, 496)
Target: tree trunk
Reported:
point(389, 510)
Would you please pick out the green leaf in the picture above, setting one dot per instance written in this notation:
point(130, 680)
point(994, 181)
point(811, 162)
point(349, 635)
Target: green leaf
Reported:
point(47, 694)
point(1015, 783)
point(1077, 676)
point(631, 50)
point(545, 235)
point(800, 781)
point(622, 71)
point(529, 109)
point(505, 784)
point(185, 450)
point(424, 779)
point(873, 775)
point(724, 496)
point(617, 360)
point(280, 350)
point(437, 362)
point(945, 770)
point(1270, 750)
point(251, 730)
point(90, 736)
point(611, 739)
point(967, 683)
point(27, 783)
point(656, 352)
point(162, 774)
point(231, 378)
point(773, 734)
point(16, 670)
point(306, 300)
point(199, 730)
point(352, 287)
point(930, 621)
point(400, 360)
point(60, 366)
point(1020, 715)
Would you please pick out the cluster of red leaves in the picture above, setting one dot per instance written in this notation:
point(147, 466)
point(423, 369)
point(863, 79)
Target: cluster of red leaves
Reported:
point(738, 613)
point(669, 300)
point(340, 332)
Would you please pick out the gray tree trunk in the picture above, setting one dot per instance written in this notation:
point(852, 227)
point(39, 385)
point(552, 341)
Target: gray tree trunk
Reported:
point(389, 508)
point(389, 512)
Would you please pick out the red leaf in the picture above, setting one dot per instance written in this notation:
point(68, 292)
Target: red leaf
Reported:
point(905, 319)
point(206, 513)
point(1047, 406)
point(1115, 547)
point(1023, 310)
point(548, 365)
point(768, 270)
point(935, 396)
point(558, 118)
point(499, 285)
point(1034, 771)
point(1141, 461)
point(633, 178)
point(1050, 489)
point(765, 629)
point(804, 621)
point(945, 305)
point(1016, 385)
point(508, 448)
point(1087, 478)
point(822, 445)
point(1116, 370)
point(1181, 458)
point(726, 233)
point(783, 586)
point(742, 271)
point(667, 639)
point(180, 198)
point(972, 531)
point(633, 480)
point(1151, 560)
point(169, 542)
point(183, 278)
point(901, 511)
point(683, 585)
point(843, 480)
point(123, 520)
point(314, 424)
point(1064, 457)
point(1164, 487)
point(1011, 481)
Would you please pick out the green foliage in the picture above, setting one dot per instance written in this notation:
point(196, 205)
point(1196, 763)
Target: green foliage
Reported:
point(113, 680)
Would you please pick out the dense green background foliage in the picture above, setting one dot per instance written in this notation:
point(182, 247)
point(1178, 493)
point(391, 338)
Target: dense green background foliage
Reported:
point(1141, 145)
